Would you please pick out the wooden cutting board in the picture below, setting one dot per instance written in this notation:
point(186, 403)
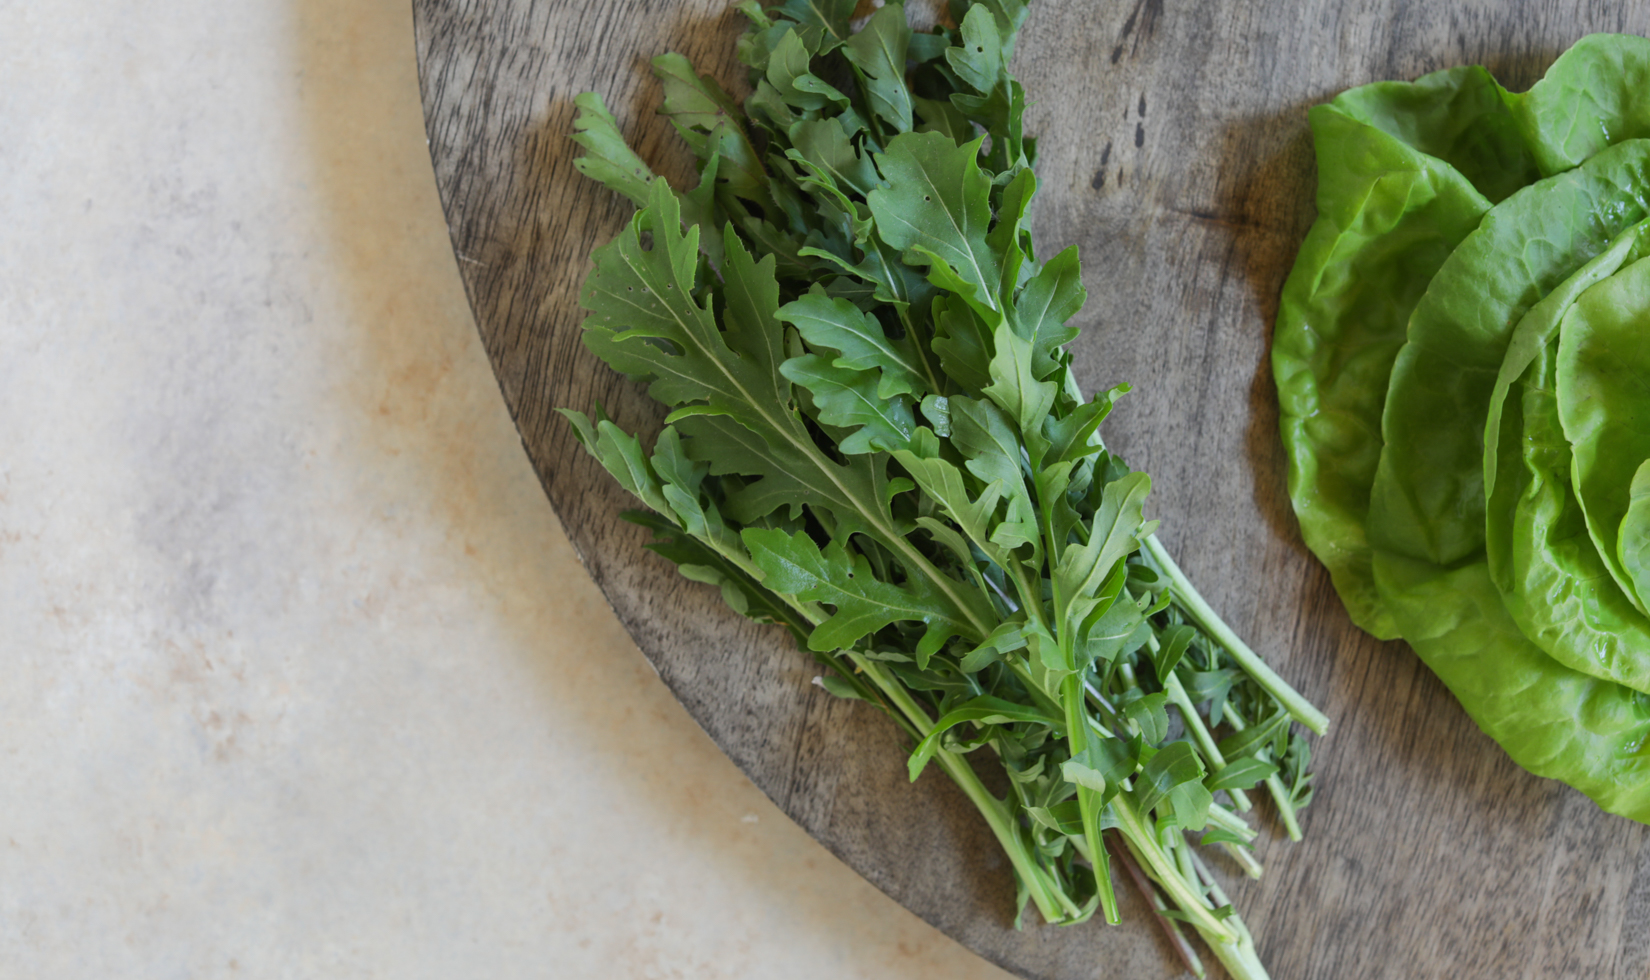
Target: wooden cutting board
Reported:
point(1175, 152)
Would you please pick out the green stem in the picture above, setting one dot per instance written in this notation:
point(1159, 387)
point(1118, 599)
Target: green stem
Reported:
point(1230, 822)
point(1200, 731)
point(1143, 840)
point(1088, 801)
point(920, 342)
point(1238, 957)
point(1200, 611)
point(1171, 927)
point(1051, 901)
point(1244, 858)
point(1274, 785)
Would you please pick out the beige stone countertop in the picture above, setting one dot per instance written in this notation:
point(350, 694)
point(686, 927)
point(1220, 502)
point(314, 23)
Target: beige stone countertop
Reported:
point(301, 678)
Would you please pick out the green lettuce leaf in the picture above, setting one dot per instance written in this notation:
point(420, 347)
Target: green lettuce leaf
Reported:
point(1635, 532)
point(1604, 405)
point(1389, 215)
point(1428, 498)
point(1595, 95)
point(1551, 720)
point(1553, 581)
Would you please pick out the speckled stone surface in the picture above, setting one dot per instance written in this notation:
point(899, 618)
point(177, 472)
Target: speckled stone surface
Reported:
point(301, 677)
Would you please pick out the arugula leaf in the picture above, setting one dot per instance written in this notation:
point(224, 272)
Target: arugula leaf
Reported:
point(937, 206)
point(825, 145)
point(826, 19)
point(878, 51)
point(711, 124)
point(978, 61)
point(789, 75)
point(983, 710)
point(1103, 765)
point(847, 397)
point(858, 336)
point(1242, 774)
point(621, 454)
point(1174, 765)
point(607, 158)
point(792, 564)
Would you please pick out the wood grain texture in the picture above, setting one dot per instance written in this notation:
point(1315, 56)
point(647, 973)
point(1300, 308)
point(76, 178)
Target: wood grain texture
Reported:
point(1175, 152)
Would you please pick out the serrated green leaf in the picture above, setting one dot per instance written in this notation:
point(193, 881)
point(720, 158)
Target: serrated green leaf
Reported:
point(607, 157)
point(1014, 385)
point(1071, 436)
point(1255, 737)
point(1172, 645)
point(978, 60)
point(828, 19)
point(1001, 112)
point(1006, 638)
point(945, 119)
point(1105, 623)
point(1062, 818)
point(1040, 312)
point(983, 710)
point(1212, 686)
point(1010, 15)
point(767, 108)
point(849, 398)
point(1005, 240)
point(895, 282)
point(1191, 802)
point(711, 123)
point(620, 453)
point(858, 336)
point(947, 535)
point(1112, 536)
point(694, 103)
point(943, 481)
point(682, 477)
point(789, 74)
point(825, 144)
point(1052, 484)
point(928, 47)
point(752, 9)
point(878, 50)
point(795, 565)
point(754, 601)
point(937, 206)
point(788, 479)
point(638, 296)
point(942, 275)
point(1103, 765)
point(1220, 835)
point(987, 439)
point(672, 464)
point(962, 343)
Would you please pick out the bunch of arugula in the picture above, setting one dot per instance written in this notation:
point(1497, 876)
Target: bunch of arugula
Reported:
point(876, 440)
